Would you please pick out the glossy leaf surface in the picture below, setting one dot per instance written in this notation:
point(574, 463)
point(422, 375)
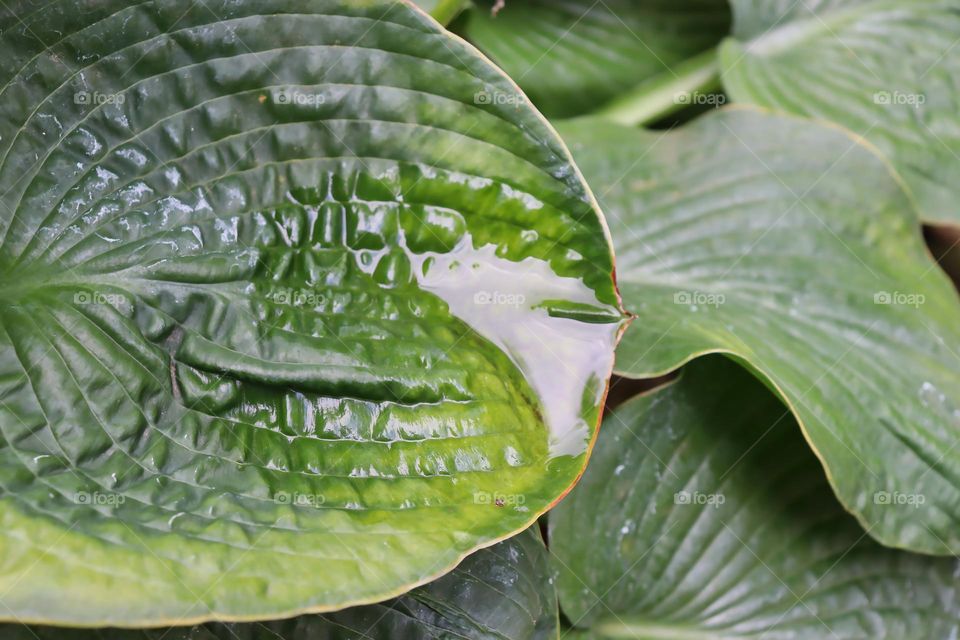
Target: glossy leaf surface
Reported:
point(703, 516)
point(572, 56)
point(504, 591)
point(887, 70)
point(791, 246)
point(287, 321)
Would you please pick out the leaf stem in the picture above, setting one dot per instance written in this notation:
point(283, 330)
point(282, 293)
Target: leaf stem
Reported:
point(666, 92)
point(447, 10)
point(650, 631)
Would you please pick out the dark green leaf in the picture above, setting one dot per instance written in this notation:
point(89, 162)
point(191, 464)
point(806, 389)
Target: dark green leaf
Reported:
point(571, 56)
point(704, 516)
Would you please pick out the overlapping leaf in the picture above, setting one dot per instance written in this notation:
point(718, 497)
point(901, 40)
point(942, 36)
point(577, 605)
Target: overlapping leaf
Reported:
point(704, 515)
point(885, 69)
point(791, 246)
point(571, 56)
point(504, 591)
point(284, 311)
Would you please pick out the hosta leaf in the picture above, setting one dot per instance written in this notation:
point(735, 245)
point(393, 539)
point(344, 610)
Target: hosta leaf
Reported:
point(571, 56)
point(704, 516)
point(504, 591)
point(790, 246)
point(885, 69)
point(288, 322)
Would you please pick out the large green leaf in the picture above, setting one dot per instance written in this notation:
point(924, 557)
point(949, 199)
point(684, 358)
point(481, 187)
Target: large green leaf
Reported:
point(572, 56)
point(504, 591)
point(288, 321)
point(704, 516)
point(886, 69)
point(792, 247)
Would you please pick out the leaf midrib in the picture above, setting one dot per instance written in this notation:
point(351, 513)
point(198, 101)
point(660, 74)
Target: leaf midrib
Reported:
point(13, 287)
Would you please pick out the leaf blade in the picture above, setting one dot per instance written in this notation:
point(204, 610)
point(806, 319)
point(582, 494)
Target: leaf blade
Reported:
point(269, 257)
point(809, 269)
point(501, 591)
point(704, 515)
point(844, 62)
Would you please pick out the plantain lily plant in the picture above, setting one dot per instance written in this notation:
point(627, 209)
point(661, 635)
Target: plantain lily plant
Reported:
point(309, 316)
